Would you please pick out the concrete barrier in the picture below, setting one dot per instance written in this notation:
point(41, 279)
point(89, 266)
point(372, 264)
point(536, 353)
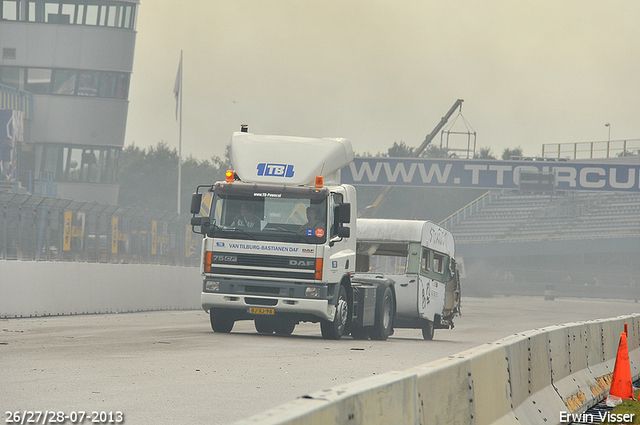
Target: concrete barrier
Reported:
point(527, 378)
point(30, 288)
point(394, 393)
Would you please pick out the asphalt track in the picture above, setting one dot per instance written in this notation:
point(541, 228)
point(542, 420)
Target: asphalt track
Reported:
point(168, 367)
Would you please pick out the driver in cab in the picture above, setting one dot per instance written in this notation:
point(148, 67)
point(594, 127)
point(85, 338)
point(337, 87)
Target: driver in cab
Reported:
point(246, 218)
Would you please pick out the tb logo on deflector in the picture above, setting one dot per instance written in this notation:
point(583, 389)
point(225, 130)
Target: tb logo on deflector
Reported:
point(275, 170)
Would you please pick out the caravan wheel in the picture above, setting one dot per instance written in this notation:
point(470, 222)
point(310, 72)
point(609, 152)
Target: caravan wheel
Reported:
point(427, 330)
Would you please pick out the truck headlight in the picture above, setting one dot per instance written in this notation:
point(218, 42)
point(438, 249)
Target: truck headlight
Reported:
point(312, 292)
point(212, 286)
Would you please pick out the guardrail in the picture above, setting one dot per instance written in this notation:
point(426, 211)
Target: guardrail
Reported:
point(529, 378)
point(53, 229)
point(590, 150)
point(467, 210)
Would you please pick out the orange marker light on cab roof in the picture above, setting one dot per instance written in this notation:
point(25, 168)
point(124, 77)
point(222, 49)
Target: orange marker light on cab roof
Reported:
point(229, 176)
point(319, 181)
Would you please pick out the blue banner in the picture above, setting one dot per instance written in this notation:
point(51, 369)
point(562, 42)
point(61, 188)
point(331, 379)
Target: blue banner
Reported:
point(490, 174)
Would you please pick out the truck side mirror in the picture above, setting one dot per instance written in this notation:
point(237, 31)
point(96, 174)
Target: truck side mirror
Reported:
point(343, 212)
point(196, 201)
point(344, 232)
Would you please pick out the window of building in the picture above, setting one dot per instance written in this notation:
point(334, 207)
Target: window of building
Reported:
point(38, 81)
point(113, 85)
point(69, 11)
point(48, 163)
point(80, 14)
point(52, 13)
point(64, 81)
point(10, 10)
point(88, 84)
point(102, 16)
point(114, 14)
point(108, 82)
point(126, 17)
point(12, 76)
point(122, 87)
point(72, 163)
point(92, 14)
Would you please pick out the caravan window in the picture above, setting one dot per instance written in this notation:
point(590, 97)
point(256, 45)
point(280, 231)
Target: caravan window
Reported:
point(424, 260)
point(387, 258)
point(434, 264)
point(438, 262)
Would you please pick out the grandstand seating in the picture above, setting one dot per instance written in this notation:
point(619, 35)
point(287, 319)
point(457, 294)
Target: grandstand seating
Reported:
point(572, 215)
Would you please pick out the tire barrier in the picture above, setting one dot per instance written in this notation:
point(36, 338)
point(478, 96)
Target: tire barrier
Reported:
point(532, 377)
point(33, 289)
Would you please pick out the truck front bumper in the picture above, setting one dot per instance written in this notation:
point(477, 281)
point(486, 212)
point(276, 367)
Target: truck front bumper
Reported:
point(291, 306)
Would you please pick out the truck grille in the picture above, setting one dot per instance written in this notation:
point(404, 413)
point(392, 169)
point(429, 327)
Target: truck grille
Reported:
point(256, 265)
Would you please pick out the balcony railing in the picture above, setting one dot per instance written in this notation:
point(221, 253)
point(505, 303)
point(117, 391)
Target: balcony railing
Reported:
point(17, 100)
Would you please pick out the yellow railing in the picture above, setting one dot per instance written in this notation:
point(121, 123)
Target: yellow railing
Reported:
point(17, 100)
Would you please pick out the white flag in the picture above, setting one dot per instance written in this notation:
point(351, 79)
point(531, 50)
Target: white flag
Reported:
point(177, 86)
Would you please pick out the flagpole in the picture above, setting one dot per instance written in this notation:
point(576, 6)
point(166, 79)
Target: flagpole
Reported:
point(180, 138)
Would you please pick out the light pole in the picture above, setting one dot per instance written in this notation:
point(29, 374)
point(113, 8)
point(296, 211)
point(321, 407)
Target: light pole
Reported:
point(609, 127)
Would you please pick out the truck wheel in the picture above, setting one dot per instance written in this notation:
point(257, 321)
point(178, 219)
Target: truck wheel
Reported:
point(427, 330)
point(264, 326)
point(220, 322)
point(284, 327)
point(335, 329)
point(385, 310)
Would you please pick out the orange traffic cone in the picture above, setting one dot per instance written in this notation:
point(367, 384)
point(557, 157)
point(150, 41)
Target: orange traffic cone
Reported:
point(621, 383)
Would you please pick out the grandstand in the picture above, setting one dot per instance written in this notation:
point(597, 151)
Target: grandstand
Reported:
point(585, 243)
point(531, 217)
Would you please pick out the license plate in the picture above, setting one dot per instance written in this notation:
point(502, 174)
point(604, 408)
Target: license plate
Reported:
point(261, 310)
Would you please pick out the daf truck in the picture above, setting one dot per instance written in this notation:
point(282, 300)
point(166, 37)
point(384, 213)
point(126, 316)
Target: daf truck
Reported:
point(280, 242)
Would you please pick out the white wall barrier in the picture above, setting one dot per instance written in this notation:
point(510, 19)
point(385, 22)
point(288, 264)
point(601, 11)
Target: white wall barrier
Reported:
point(527, 378)
point(31, 288)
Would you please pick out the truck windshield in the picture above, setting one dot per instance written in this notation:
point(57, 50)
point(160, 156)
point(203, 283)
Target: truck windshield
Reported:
point(255, 212)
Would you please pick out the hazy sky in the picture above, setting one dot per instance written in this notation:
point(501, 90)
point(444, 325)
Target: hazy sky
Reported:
point(380, 71)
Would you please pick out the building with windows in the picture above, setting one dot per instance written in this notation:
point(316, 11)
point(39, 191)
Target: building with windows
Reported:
point(75, 57)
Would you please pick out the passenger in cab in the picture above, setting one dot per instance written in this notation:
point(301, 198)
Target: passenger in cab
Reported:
point(314, 226)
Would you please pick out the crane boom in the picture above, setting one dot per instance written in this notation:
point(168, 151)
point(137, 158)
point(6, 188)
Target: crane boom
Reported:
point(372, 209)
point(438, 127)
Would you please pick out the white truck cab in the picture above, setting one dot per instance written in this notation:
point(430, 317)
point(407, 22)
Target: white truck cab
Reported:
point(278, 247)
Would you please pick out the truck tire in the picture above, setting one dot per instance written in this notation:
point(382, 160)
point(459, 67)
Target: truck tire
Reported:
point(335, 329)
point(264, 326)
point(284, 327)
point(427, 330)
point(220, 322)
point(385, 311)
